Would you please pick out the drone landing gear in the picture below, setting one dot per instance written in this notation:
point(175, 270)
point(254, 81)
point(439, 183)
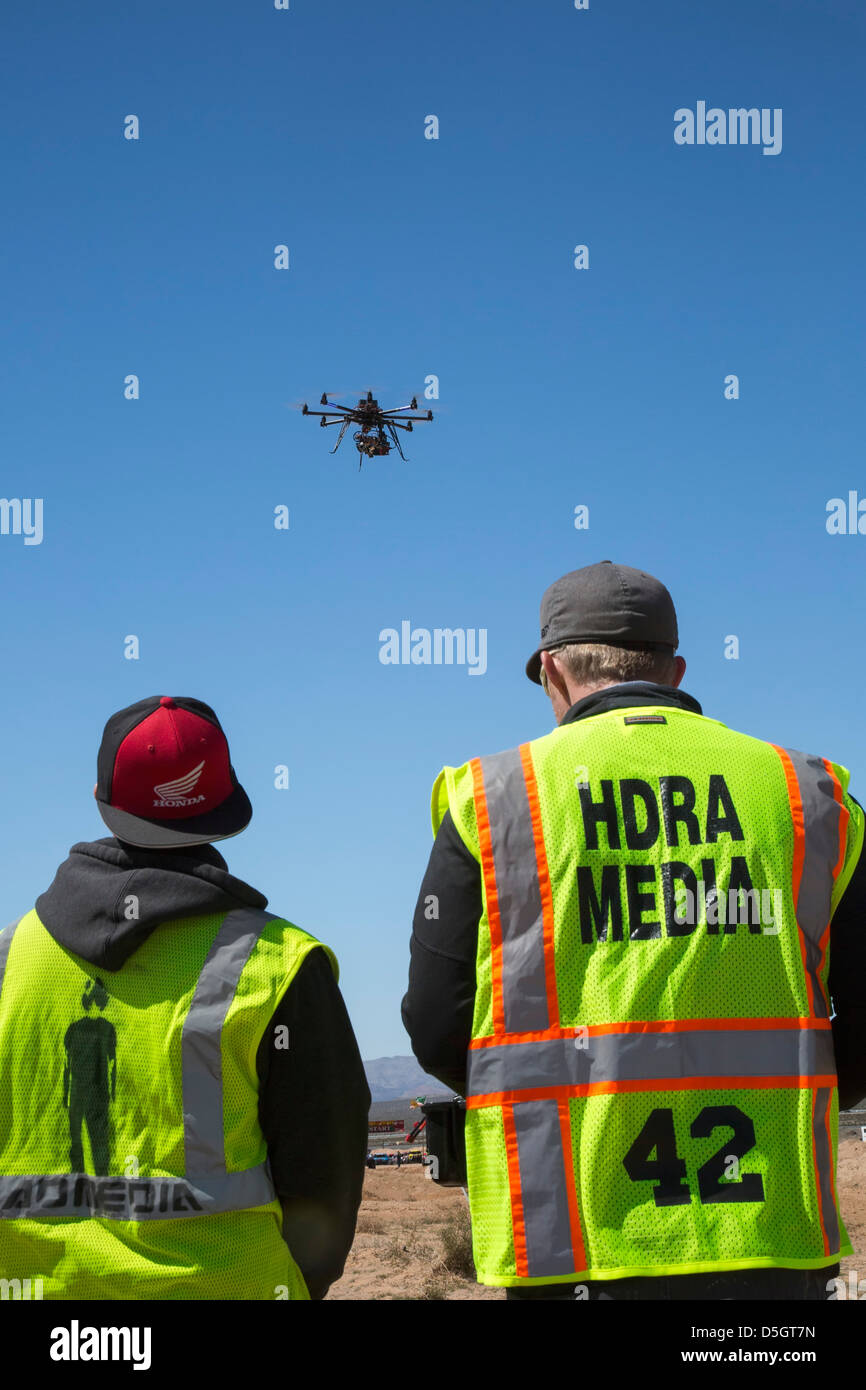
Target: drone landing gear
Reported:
point(344, 426)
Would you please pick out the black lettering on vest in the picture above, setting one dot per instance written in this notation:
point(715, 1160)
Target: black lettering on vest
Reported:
point(19, 1196)
point(741, 909)
point(639, 903)
point(683, 811)
point(681, 908)
point(595, 811)
point(591, 912)
point(163, 1197)
point(184, 1200)
point(711, 895)
point(85, 1194)
point(726, 823)
point(44, 1185)
point(113, 1197)
point(146, 1203)
point(629, 788)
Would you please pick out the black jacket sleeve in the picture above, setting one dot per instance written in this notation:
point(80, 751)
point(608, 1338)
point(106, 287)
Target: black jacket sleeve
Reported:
point(313, 1108)
point(437, 1009)
point(847, 982)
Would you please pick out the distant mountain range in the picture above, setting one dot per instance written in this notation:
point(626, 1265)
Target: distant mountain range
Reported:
point(392, 1078)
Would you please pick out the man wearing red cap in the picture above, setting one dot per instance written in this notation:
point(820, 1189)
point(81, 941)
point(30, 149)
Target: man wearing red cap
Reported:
point(184, 1108)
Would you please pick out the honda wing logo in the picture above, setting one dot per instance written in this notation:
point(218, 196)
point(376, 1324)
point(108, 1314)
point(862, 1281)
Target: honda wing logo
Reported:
point(179, 792)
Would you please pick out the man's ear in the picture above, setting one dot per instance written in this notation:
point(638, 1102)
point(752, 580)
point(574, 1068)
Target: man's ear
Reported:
point(554, 676)
point(95, 785)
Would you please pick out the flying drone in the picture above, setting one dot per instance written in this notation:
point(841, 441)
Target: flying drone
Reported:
point(378, 432)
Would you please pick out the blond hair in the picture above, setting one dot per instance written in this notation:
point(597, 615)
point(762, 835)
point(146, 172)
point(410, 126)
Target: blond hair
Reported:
point(594, 664)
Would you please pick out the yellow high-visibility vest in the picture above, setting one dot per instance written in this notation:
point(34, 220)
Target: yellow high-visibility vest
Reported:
point(652, 1084)
point(132, 1161)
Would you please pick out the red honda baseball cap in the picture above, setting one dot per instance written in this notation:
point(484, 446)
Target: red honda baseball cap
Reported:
point(164, 777)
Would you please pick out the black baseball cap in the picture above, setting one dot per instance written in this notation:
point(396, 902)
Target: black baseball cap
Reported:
point(613, 604)
point(164, 778)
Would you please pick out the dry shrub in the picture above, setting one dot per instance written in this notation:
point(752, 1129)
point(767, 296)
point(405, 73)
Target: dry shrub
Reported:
point(456, 1239)
point(402, 1248)
point(371, 1225)
point(435, 1287)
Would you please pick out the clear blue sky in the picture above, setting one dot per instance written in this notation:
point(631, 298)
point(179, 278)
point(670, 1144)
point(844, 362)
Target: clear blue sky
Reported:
point(409, 257)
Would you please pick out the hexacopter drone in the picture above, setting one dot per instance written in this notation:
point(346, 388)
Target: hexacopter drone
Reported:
point(372, 439)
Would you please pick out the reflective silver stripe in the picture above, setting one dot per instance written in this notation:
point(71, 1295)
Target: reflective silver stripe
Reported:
point(821, 816)
point(524, 987)
point(5, 942)
point(543, 1189)
point(541, 1157)
point(201, 1039)
point(824, 1165)
point(132, 1199)
point(661, 1057)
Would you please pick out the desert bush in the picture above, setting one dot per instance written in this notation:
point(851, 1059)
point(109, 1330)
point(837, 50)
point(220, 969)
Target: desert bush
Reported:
point(435, 1287)
point(402, 1248)
point(456, 1239)
point(371, 1225)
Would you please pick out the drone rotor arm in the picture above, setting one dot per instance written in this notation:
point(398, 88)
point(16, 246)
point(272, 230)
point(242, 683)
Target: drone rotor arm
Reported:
point(388, 414)
point(330, 419)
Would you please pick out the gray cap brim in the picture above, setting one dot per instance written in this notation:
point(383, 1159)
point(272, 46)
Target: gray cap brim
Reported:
point(224, 821)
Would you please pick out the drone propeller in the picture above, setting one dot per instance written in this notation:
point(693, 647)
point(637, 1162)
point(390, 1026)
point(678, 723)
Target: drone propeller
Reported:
point(327, 399)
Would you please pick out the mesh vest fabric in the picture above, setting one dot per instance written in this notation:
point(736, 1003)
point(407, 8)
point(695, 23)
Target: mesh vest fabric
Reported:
point(651, 1084)
point(132, 1162)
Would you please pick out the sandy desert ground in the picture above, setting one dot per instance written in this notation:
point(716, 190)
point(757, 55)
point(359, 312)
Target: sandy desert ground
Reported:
point(851, 1179)
point(412, 1236)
